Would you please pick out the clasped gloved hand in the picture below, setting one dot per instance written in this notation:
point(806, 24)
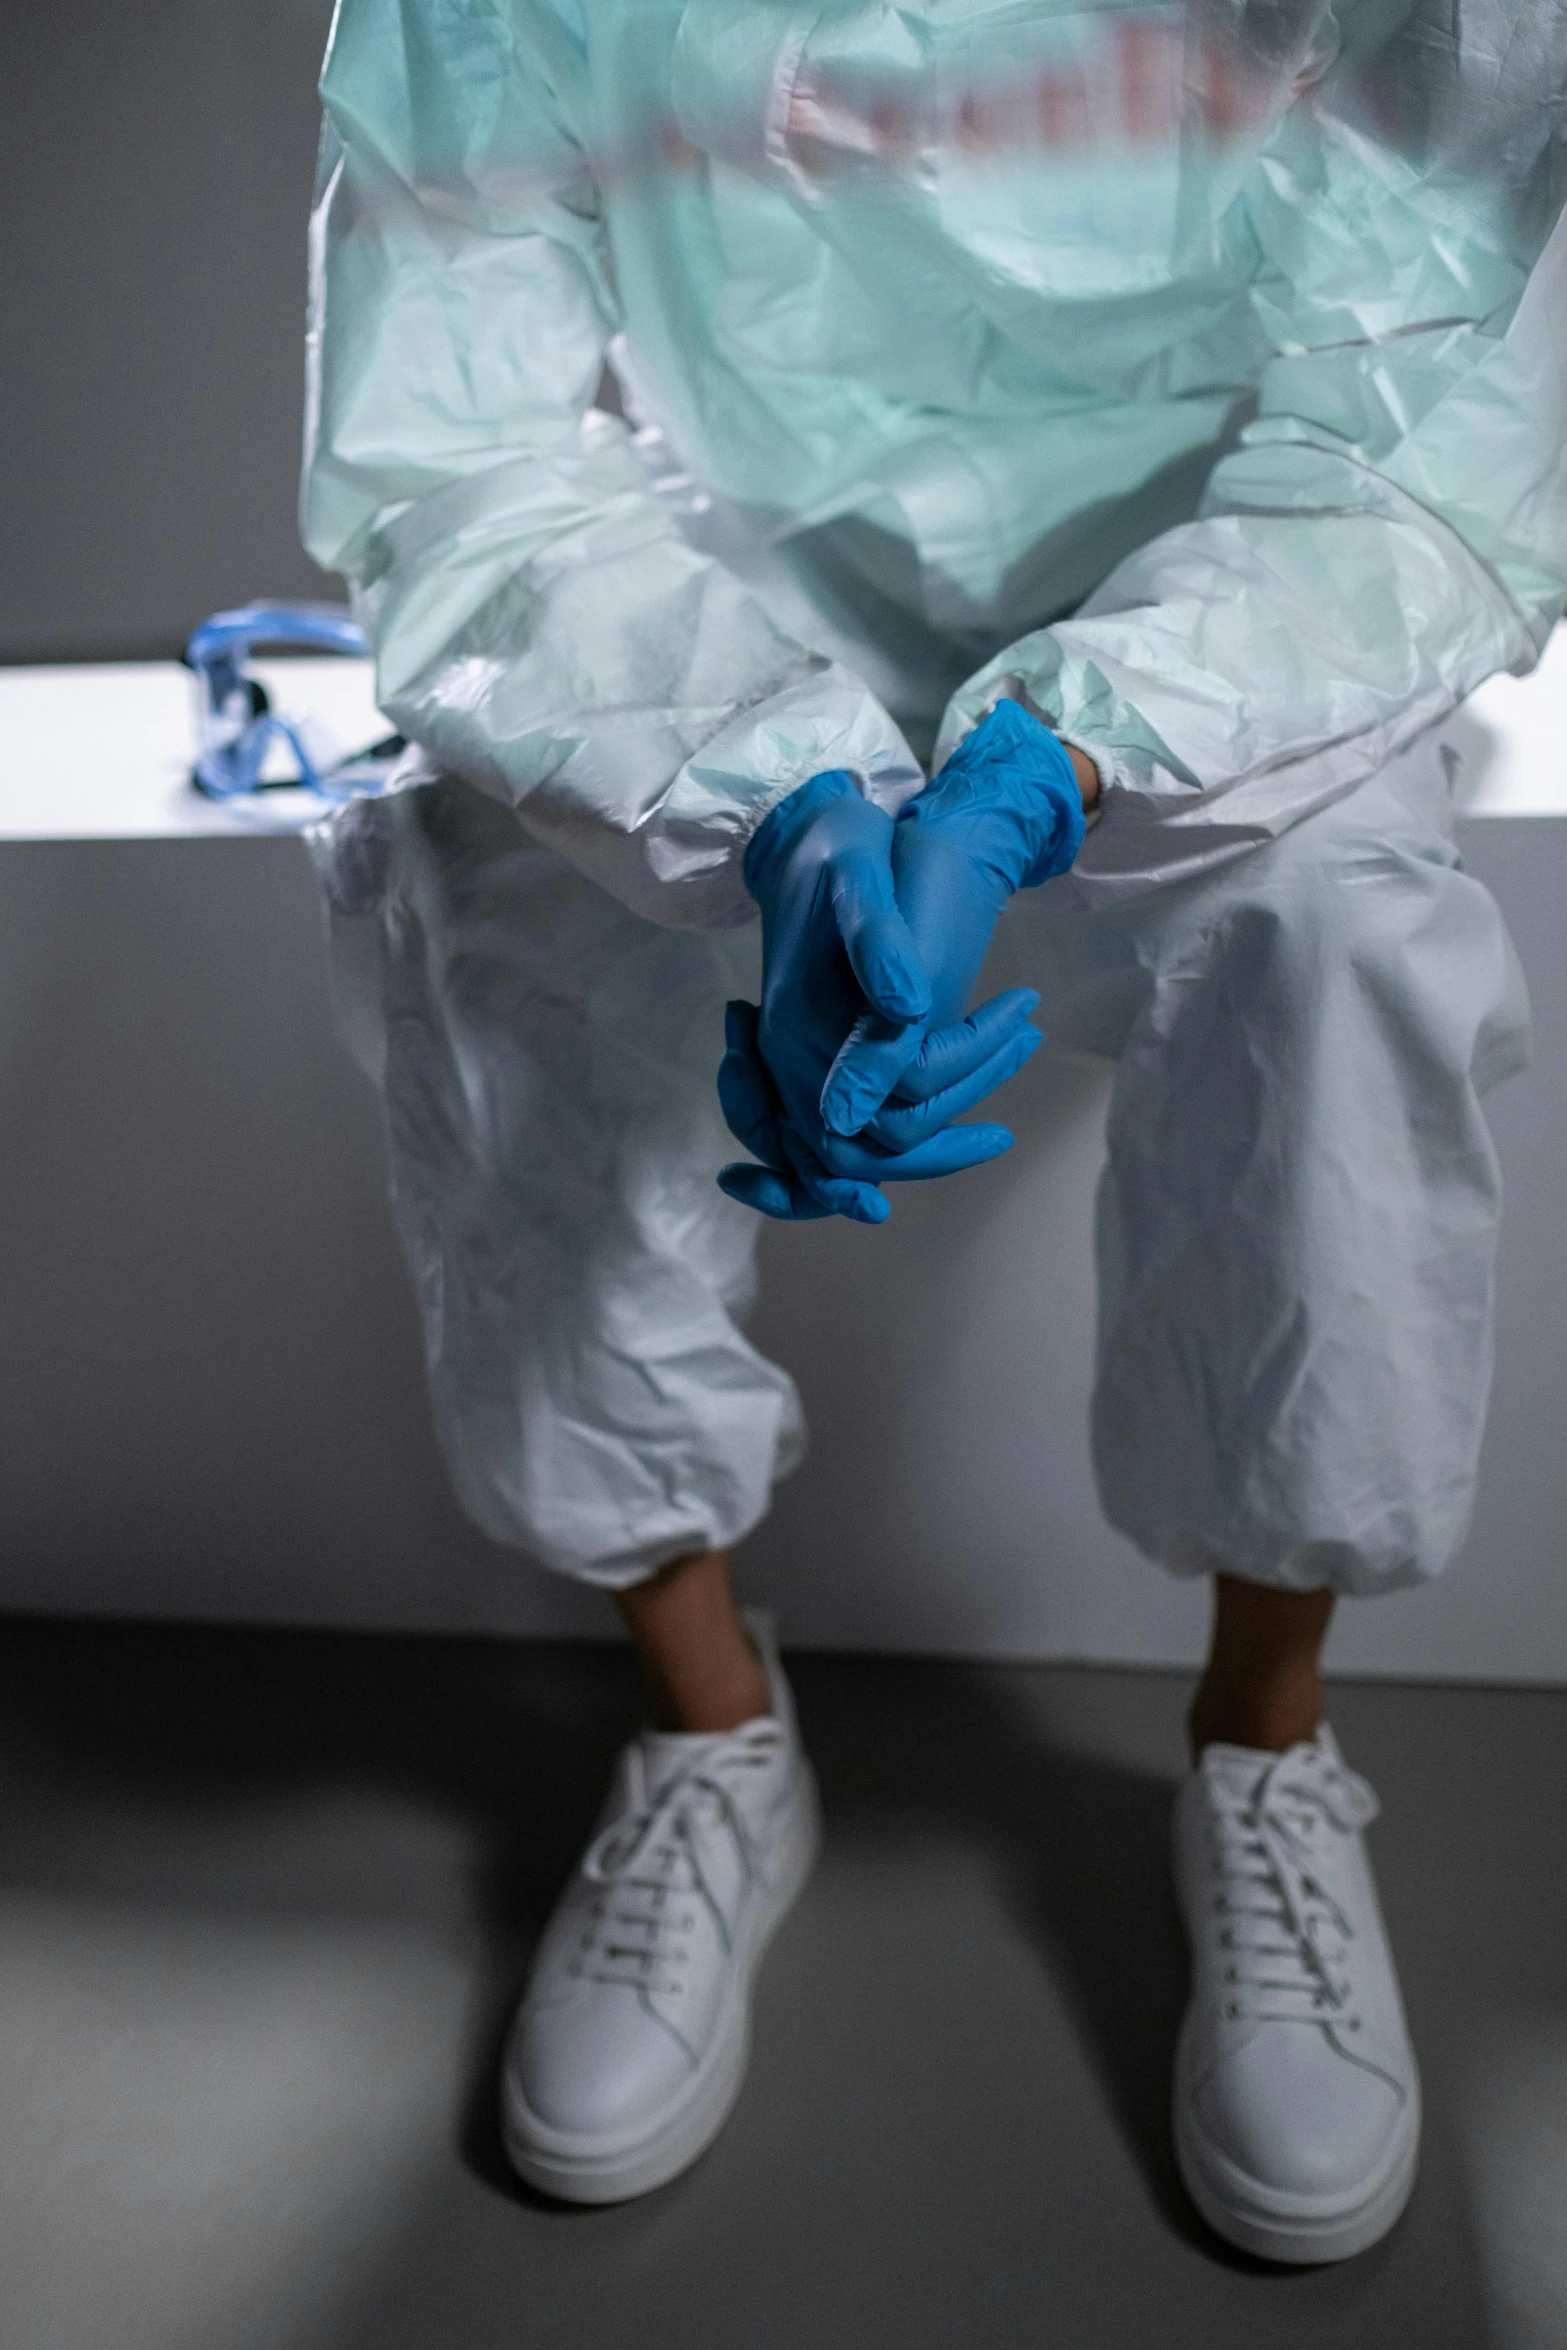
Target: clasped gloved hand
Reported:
point(835, 947)
point(1005, 813)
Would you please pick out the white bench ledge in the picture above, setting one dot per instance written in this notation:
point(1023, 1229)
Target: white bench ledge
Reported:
point(104, 753)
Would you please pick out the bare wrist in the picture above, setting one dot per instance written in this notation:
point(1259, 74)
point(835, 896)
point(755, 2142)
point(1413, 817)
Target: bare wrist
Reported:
point(1087, 775)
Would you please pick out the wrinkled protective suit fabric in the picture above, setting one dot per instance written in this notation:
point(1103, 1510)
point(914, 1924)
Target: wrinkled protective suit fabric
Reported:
point(1296, 1225)
point(1295, 1232)
point(546, 1060)
point(1193, 377)
point(1130, 362)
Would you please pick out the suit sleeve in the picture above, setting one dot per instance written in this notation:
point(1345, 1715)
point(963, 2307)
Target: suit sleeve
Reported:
point(540, 626)
point(1389, 532)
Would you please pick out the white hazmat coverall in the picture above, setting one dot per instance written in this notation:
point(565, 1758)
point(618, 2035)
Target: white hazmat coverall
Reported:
point(1195, 374)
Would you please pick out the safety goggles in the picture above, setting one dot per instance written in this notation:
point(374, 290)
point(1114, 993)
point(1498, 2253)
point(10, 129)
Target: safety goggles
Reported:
point(242, 743)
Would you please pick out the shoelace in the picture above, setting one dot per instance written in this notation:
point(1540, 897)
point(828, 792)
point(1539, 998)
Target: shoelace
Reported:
point(1285, 1938)
point(650, 1865)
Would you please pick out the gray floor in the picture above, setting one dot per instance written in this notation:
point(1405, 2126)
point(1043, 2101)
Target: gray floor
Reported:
point(267, 1897)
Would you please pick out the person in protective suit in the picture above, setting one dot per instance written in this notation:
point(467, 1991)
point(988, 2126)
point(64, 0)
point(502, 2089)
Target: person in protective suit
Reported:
point(1075, 455)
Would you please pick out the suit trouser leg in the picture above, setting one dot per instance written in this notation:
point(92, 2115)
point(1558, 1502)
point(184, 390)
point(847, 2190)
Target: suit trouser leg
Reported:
point(547, 1061)
point(1296, 1226)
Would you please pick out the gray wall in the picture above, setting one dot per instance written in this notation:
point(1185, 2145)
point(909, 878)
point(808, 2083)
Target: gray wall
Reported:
point(156, 159)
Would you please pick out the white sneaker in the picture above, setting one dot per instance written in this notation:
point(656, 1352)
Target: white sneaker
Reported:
point(631, 2042)
point(1297, 2102)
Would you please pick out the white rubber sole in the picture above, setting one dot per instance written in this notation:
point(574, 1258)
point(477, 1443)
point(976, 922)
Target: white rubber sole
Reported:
point(1295, 2230)
point(547, 2160)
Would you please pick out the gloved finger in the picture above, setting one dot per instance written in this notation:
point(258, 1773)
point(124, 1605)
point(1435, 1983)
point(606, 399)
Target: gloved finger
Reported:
point(871, 1060)
point(948, 1055)
point(838, 1195)
point(754, 1114)
point(769, 1193)
point(880, 1058)
point(899, 1127)
point(880, 944)
point(945, 1153)
point(746, 1093)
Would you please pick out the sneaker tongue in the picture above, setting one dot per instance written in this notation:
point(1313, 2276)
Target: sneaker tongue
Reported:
point(665, 1753)
point(1317, 1769)
point(1237, 1766)
point(1236, 1761)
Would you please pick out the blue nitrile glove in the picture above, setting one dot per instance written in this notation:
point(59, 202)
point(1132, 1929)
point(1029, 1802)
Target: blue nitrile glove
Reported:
point(1004, 814)
point(795, 1182)
point(833, 945)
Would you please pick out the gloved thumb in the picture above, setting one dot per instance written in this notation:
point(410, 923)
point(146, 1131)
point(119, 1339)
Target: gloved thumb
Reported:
point(871, 1059)
point(880, 944)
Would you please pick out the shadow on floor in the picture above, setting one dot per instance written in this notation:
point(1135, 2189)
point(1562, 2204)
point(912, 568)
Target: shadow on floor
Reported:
point(1082, 1850)
point(515, 1745)
point(457, 1780)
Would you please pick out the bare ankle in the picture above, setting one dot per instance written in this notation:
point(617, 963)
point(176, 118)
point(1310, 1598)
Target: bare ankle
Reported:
point(1261, 1687)
point(1269, 1718)
point(699, 1662)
